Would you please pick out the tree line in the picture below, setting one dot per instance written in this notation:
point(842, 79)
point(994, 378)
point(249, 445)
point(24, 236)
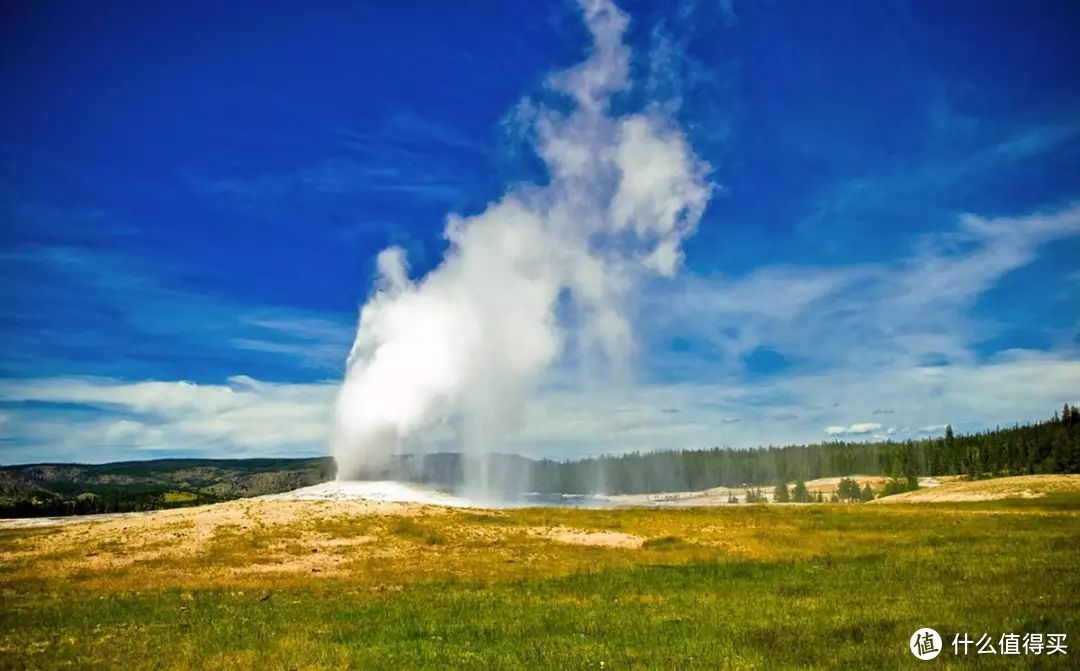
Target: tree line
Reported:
point(1051, 446)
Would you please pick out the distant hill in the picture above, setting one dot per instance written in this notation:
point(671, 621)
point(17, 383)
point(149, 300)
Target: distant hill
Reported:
point(35, 490)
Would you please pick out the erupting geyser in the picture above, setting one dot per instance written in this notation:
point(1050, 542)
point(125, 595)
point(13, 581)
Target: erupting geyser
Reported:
point(548, 264)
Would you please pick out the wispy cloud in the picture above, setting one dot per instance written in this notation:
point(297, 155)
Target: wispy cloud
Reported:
point(931, 429)
point(407, 154)
point(865, 196)
point(904, 313)
point(333, 177)
point(411, 131)
point(77, 307)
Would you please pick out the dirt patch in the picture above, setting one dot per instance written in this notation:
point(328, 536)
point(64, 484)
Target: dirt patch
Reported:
point(108, 542)
point(608, 539)
point(327, 556)
point(722, 496)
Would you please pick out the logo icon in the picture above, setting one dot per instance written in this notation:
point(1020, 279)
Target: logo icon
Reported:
point(925, 643)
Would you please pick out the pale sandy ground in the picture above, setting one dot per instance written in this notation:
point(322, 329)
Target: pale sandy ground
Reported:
point(569, 536)
point(1021, 486)
point(299, 534)
point(118, 541)
point(288, 506)
point(721, 495)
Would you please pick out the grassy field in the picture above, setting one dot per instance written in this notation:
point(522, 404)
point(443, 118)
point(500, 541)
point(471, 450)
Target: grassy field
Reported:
point(295, 584)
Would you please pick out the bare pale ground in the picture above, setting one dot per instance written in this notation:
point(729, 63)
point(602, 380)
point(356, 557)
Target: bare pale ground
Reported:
point(569, 536)
point(282, 535)
point(722, 495)
point(119, 541)
point(959, 491)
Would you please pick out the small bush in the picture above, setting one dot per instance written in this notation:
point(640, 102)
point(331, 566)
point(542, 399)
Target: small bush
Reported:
point(663, 543)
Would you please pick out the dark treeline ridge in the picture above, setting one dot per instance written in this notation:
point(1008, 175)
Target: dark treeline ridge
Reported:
point(1051, 446)
point(37, 490)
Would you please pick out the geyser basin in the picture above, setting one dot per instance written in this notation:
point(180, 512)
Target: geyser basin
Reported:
point(376, 490)
point(391, 491)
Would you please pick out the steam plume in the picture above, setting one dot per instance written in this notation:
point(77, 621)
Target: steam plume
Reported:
point(547, 266)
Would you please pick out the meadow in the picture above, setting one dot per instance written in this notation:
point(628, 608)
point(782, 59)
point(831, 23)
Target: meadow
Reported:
point(300, 584)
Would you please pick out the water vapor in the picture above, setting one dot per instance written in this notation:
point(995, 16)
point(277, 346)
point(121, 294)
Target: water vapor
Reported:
point(547, 267)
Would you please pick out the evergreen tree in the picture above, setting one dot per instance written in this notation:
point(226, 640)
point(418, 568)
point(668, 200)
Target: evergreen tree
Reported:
point(848, 490)
point(780, 493)
point(800, 494)
point(867, 494)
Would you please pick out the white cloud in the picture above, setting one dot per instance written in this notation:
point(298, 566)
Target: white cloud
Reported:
point(116, 418)
point(857, 429)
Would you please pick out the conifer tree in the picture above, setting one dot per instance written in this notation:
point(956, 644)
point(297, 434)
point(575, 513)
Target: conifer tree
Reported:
point(800, 494)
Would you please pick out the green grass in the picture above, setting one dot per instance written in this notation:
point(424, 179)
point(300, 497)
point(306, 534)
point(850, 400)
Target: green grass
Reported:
point(412, 530)
point(765, 587)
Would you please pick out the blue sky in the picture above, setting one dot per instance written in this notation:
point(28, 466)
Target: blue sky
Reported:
point(192, 198)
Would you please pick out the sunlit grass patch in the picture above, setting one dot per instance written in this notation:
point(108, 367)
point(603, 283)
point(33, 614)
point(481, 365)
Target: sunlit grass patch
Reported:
point(416, 531)
point(179, 497)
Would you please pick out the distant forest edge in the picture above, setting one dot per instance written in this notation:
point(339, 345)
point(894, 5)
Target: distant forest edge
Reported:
point(38, 490)
point(1051, 446)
